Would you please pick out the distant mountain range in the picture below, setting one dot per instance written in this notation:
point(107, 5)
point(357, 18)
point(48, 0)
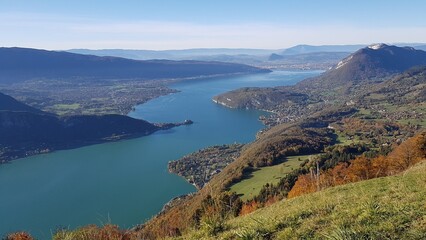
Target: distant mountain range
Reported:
point(232, 53)
point(189, 54)
point(20, 64)
point(26, 131)
point(303, 49)
point(297, 57)
point(310, 57)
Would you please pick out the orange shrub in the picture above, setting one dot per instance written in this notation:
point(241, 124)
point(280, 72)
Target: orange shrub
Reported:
point(249, 207)
point(19, 236)
point(401, 158)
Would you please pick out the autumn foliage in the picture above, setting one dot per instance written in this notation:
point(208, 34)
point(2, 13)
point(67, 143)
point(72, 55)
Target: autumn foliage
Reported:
point(19, 236)
point(401, 158)
point(249, 207)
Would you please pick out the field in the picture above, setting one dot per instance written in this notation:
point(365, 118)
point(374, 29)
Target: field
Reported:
point(383, 208)
point(343, 139)
point(64, 109)
point(252, 184)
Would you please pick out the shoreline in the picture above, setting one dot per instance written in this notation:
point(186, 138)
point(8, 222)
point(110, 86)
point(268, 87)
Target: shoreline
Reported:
point(166, 82)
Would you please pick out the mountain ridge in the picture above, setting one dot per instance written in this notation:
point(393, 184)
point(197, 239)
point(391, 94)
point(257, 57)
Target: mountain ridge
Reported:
point(20, 64)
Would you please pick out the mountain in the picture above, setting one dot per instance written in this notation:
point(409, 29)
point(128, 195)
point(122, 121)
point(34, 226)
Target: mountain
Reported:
point(20, 64)
point(302, 49)
point(26, 131)
point(8, 103)
point(373, 62)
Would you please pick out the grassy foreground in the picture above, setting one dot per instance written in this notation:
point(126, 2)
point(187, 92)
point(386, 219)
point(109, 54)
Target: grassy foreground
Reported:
point(383, 208)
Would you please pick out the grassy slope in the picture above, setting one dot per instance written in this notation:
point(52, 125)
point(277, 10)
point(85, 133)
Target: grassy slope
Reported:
point(251, 186)
point(383, 208)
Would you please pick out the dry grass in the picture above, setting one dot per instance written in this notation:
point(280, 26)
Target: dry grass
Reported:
point(383, 208)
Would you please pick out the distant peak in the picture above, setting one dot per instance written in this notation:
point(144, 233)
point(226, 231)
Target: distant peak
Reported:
point(377, 46)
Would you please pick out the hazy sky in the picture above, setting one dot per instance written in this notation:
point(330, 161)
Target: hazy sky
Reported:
point(179, 24)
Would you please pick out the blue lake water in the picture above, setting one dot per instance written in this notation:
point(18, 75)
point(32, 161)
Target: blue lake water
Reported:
point(127, 182)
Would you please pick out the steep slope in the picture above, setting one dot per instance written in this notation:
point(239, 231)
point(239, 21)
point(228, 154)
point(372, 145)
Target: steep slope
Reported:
point(408, 87)
point(383, 208)
point(20, 64)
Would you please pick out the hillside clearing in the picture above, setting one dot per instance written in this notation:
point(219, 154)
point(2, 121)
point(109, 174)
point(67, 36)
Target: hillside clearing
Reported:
point(251, 185)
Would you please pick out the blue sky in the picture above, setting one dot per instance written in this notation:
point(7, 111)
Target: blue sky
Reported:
point(179, 24)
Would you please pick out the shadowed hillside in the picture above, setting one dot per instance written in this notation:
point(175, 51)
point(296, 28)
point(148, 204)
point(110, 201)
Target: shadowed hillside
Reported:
point(27, 131)
point(8, 103)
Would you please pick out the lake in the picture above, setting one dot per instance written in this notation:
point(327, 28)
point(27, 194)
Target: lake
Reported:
point(127, 182)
